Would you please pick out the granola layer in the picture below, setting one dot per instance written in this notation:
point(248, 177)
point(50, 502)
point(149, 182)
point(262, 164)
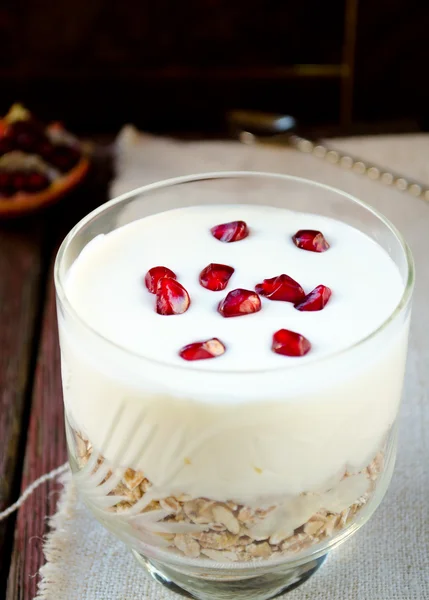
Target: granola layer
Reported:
point(228, 531)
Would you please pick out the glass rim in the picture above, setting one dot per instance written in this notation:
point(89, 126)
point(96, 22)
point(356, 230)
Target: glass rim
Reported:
point(62, 296)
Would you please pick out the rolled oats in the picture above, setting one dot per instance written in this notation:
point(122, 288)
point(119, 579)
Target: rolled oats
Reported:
point(244, 540)
point(187, 544)
point(376, 466)
point(145, 485)
point(81, 447)
point(183, 497)
point(263, 512)
point(199, 510)
point(313, 527)
point(121, 507)
point(225, 531)
point(153, 505)
point(343, 517)
point(171, 505)
point(330, 524)
point(246, 515)
point(168, 537)
point(132, 479)
point(297, 542)
point(221, 555)
point(277, 538)
point(216, 541)
point(261, 550)
point(225, 517)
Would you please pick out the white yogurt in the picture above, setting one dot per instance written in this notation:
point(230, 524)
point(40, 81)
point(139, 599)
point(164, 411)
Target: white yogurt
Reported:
point(249, 424)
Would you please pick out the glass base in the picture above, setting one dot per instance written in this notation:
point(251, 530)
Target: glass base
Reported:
point(231, 586)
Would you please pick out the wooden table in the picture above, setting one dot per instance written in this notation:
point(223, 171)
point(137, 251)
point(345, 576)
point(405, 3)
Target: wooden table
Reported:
point(32, 438)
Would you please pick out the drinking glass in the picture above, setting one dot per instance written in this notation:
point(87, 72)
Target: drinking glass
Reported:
point(134, 423)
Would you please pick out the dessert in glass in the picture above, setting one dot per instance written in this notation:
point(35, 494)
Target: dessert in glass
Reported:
point(233, 349)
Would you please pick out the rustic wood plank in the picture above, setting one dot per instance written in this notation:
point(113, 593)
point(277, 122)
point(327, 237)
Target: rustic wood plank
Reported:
point(46, 445)
point(21, 270)
point(46, 449)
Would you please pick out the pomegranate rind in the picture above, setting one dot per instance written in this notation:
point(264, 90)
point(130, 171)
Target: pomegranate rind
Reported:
point(23, 202)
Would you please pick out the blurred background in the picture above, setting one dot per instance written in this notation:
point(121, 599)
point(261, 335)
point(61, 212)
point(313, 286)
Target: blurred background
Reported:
point(178, 66)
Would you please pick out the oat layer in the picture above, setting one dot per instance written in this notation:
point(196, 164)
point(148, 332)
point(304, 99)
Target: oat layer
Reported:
point(226, 531)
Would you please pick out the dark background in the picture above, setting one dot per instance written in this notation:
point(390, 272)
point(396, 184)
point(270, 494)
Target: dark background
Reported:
point(171, 65)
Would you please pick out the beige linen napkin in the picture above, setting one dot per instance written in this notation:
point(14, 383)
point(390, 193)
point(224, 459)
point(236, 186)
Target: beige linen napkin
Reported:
point(389, 558)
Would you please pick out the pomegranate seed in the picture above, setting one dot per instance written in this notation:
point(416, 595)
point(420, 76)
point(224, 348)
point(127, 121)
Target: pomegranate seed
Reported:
point(290, 343)
point(215, 277)
point(230, 232)
point(203, 350)
point(27, 135)
point(239, 303)
point(45, 149)
point(19, 181)
point(171, 297)
point(315, 300)
point(6, 184)
point(309, 239)
point(154, 275)
point(26, 141)
point(7, 144)
point(64, 157)
point(6, 179)
point(35, 182)
point(25, 126)
point(282, 288)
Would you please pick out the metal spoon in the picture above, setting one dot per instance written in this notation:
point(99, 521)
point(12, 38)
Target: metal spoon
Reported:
point(259, 127)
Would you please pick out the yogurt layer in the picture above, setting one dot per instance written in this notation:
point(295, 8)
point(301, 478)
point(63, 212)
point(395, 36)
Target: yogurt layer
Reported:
point(249, 425)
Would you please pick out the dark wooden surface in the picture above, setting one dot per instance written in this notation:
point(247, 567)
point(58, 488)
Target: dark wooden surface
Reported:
point(32, 437)
point(45, 450)
point(21, 283)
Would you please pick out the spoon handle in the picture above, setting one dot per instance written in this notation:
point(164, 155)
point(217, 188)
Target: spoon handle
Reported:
point(359, 166)
point(240, 120)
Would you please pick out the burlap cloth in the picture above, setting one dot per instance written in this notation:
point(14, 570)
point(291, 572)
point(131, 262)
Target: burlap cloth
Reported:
point(389, 558)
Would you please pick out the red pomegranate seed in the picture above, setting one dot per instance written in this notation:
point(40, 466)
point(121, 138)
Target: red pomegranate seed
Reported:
point(26, 126)
point(290, 343)
point(64, 157)
point(6, 184)
point(215, 277)
point(19, 181)
point(282, 288)
point(6, 179)
point(309, 239)
point(7, 144)
point(36, 182)
point(154, 275)
point(315, 300)
point(171, 297)
point(26, 141)
point(230, 232)
point(239, 303)
point(45, 149)
point(203, 350)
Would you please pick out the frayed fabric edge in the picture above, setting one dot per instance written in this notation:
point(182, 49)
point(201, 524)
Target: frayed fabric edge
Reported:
point(51, 585)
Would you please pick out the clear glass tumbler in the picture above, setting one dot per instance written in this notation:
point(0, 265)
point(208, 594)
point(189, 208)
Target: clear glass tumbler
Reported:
point(120, 408)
